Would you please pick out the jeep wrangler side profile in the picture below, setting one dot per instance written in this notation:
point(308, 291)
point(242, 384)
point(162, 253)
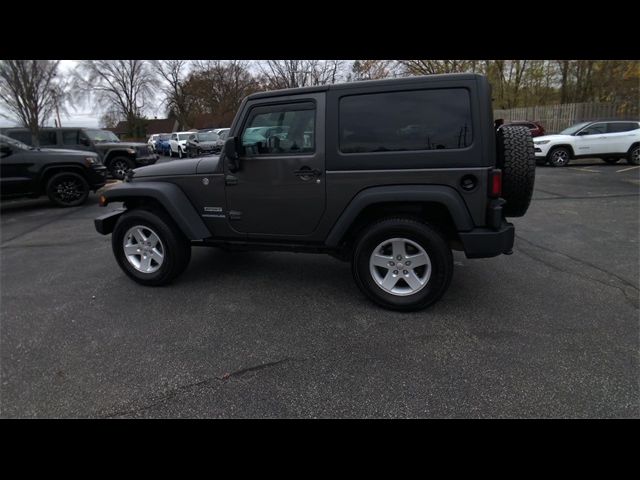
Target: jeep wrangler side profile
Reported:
point(390, 175)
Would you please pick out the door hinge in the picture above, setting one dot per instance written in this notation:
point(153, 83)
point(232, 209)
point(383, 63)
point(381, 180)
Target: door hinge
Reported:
point(231, 180)
point(234, 215)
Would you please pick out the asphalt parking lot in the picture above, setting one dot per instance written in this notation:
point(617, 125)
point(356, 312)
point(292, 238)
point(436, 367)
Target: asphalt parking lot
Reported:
point(550, 331)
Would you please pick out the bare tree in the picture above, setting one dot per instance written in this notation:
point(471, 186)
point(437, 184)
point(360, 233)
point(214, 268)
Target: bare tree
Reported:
point(217, 87)
point(373, 69)
point(122, 86)
point(432, 67)
point(177, 99)
point(300, 73)
point(31, 91)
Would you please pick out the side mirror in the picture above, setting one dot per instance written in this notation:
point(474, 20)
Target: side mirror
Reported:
point(231, 154)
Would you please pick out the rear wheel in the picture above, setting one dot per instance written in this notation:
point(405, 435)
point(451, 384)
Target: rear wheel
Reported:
point(559, 157)
point(67, 189)
point(402, 264)
point(149, 247)
point(634, 155)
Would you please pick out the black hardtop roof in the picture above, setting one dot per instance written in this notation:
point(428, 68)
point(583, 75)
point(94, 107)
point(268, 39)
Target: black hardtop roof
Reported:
point(369, 83)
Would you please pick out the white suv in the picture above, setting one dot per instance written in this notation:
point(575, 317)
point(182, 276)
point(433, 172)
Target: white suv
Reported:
point(178, 142)
point(609, 141)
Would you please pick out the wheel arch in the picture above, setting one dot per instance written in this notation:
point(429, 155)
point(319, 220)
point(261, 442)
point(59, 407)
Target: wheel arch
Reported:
point(568, 146)
point(167, 196)
point(50, 171)
point(436, 203)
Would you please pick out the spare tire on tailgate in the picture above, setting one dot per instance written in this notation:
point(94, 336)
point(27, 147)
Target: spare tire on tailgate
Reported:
point(516, 159)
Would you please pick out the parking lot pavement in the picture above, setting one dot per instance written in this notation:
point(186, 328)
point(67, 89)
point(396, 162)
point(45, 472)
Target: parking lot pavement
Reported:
point(550, 331)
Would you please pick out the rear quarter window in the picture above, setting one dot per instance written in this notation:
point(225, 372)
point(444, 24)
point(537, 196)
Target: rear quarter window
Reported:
point(436, 119)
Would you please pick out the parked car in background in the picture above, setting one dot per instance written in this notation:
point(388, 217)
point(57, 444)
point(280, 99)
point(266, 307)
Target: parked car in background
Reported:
point(65, 176)
point(162, 144)
point(222, 136)
point(152, 141)
point(536, 129)
point(608, 140)
point(178, 143)
point(202, 143)
point(119, 157)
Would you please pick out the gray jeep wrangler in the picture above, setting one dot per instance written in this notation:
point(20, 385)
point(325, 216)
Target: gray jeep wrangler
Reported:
point(390, 175)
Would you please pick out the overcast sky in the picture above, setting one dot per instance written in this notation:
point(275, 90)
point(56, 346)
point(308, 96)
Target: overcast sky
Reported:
point(81, 116)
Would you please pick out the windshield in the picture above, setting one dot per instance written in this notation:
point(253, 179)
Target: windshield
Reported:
point(164, 137)
point(14, 142)
point(184, 136)
point(207, 137)
point(100, 136)
point(574, 128)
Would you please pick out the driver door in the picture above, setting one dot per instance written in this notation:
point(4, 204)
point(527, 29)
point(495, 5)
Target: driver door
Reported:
point(280, 186)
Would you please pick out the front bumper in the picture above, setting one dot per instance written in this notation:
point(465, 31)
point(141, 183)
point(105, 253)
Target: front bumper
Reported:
point(488, 242)
point(105, 223)
point(541, 150)
point(97, 177)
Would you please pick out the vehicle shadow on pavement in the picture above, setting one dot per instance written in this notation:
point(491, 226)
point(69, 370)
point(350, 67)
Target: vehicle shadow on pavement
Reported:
point(42, 203)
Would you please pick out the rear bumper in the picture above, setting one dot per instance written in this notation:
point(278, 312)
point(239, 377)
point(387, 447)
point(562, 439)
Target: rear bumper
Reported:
point(488, 242)
point(105, 223)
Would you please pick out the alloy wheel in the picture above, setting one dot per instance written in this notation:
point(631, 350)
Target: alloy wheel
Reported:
point(400, 266)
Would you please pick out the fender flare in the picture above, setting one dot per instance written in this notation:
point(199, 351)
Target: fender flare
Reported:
point(441, 194)
point(171, 197)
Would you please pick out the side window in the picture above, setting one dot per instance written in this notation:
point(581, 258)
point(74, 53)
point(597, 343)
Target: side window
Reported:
point(22, 135)
point(48, 137)
point(409, 120)
point(616, 127)
point(280, 130)
point(174, 136)
point(70, 137)
point(595, 129)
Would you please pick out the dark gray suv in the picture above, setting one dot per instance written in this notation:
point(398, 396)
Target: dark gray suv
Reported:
point(119, 157)
point(390, 175)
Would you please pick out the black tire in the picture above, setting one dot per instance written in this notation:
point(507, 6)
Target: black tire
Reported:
point(559, 157)
point(176, 247)
point(634, 155)
point(179, 152)
point(428, 237)
point(119, 166)
point(67, 189)
point(170, 152)
point(611, 161)
point(516, 158)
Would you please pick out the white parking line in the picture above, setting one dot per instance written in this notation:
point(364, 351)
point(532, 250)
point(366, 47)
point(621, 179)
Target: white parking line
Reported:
point(586, 170)
point(626, 169)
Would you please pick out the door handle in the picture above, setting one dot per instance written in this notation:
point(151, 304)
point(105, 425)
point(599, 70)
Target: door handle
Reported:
point(307, 172)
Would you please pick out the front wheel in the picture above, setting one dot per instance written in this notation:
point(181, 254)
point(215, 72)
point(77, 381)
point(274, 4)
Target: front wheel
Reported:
point(119, 167)
point(67, 189)
point(179, 152)
point(634, 156)
point(559, 157)
point(402, 264)
point(149, 247)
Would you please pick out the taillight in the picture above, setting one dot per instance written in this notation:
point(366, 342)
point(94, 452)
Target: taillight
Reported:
point(495, 185)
